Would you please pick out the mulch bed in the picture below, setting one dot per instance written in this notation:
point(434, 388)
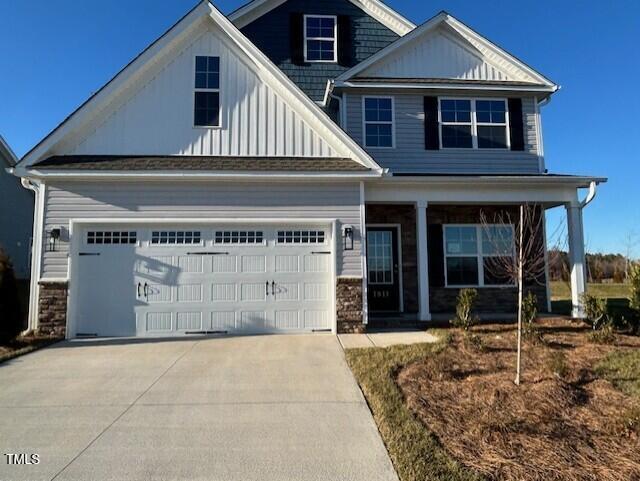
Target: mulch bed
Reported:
point(24, 345)
point(562, 423)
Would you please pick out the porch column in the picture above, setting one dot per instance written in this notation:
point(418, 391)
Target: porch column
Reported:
point(577, 259)
point(423, 260)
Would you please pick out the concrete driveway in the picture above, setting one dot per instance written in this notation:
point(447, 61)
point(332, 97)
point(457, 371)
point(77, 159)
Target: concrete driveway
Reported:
point(230, 408)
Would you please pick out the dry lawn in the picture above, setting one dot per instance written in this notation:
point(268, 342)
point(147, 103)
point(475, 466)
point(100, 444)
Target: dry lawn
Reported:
point(563, 423)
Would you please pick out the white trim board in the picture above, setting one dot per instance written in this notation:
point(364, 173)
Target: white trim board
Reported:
point(375, 8)
point(290, 93)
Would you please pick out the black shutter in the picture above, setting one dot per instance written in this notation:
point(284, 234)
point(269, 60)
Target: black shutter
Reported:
point(436, 255)
point(296, 31)
point(431, 130)
point(516, 127)
point(345, 43)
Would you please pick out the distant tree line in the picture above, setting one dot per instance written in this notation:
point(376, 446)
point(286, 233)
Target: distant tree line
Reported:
point(601, 268)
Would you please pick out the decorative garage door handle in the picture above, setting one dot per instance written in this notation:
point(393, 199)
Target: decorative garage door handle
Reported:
point(267, 289)
point(273, 288)
point(146, 294)
point(139, 285)
point(207, 253)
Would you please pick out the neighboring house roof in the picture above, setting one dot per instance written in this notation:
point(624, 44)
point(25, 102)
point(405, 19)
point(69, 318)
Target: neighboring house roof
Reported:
point(375, 8)
point(6, 154)
point(514, 69)
point(199, 163)
point(269, 73)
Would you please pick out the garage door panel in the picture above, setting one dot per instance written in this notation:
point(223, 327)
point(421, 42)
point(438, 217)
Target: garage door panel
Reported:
point(287, 292)
point(254, 264)
point(287, 264)
point(253, 292)
point(315, 319)
point(252, 320)
point(224, 264)
point(316, 292)
point(286, 320)
point(316, 263)
point(223, 320)
point(224, 292)
point(190, 264)
point(189, 321)
point(159, 293)
point(158, 322)
point(190, 293)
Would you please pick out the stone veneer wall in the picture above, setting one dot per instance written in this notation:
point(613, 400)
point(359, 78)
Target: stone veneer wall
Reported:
point(52, 308)
point(405, 215)
point(490, 299)
point(349, 305)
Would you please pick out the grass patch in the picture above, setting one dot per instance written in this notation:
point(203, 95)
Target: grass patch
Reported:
point(451, 411)
point(23, 345)
point(616, 294)
point(622, 369)
point(416, 453)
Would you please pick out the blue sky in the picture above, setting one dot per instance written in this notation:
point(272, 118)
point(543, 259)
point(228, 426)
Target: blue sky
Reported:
point(54, 54)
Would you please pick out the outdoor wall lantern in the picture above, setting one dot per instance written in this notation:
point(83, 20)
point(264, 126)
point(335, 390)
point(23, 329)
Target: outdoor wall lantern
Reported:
point(54, 235)
point(347, 235)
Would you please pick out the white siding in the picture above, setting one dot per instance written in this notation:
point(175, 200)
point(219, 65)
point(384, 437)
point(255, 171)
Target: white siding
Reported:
point(411, 156)
point(445, 54)
point(156, 116)
point(93, 200)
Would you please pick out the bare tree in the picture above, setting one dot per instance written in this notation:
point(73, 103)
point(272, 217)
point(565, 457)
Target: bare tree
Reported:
point(630, 241)
point(518, 254)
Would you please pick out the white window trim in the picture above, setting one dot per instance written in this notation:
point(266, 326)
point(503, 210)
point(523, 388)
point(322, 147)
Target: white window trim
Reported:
point(218, 90)
point(326, 39)
point(479, 255)
point(365, 123)
point(474, 124)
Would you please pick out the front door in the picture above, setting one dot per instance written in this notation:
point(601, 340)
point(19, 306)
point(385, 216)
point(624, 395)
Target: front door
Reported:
point(383, 271)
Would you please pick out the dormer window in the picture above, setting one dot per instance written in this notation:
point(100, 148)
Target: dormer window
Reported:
point(320, 38)
point(206, 104)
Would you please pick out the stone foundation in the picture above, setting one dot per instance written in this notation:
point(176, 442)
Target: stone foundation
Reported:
point(349, 306)
point(52, 309)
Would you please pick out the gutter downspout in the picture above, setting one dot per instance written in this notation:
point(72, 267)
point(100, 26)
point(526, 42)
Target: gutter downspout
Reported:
point(36, 255)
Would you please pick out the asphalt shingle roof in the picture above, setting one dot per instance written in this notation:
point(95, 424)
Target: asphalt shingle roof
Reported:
point(199, 163)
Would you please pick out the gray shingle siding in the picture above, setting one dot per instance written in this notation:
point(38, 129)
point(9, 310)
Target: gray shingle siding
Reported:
point(270, 33)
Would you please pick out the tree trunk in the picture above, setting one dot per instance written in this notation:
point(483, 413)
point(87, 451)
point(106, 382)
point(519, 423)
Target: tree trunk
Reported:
point(520, 295)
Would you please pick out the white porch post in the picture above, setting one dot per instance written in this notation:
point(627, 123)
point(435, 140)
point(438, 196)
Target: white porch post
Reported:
point(423, 260)
point(577, 258)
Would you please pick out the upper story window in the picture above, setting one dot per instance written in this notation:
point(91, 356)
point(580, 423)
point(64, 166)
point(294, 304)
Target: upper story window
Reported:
point(470, 252)
point(474, 124)
point(378, 122)
point(206, 103)
point(321, 38)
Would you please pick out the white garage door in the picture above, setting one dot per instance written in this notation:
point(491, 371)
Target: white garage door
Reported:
point(175, 281)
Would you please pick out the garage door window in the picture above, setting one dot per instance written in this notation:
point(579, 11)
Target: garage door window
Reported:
point(111, 237)
point(239, 237)
point(176, 237)
point(301, 237)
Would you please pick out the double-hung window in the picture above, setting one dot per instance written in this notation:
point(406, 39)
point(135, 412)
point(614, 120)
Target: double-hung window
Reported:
point(320, 38)
point(474, 123)
point(206, 103)
point(378, 122)
point(474, 255)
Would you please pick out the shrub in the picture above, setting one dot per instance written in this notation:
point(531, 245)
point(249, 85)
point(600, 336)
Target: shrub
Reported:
point(529, 313)
point(596, 310)
point(557, 364)
point(10, 315)
point(465, 318)
point(605, 334)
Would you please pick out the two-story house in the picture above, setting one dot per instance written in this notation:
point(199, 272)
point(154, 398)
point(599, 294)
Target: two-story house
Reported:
point(296, 166)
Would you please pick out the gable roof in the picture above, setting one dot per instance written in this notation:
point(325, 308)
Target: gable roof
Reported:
point(491, 52)
point(6, 154)
point(289, 92)
point(374, 8)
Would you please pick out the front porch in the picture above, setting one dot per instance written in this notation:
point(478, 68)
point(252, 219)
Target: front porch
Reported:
point(411, 274)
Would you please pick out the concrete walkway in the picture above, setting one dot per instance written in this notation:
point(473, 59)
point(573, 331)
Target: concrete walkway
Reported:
point(233, 408)
point(385, 339)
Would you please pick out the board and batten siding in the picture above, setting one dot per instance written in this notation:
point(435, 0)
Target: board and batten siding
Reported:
point(411, 156)
point(156, 116)
point(164, 200)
